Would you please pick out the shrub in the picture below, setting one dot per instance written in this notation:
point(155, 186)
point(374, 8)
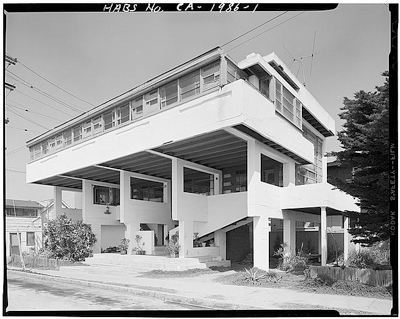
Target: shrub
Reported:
point(290, 261)
point(173, 246)
point(362, 259)
point(254, 274)
point(65, 239)
point(377, 257)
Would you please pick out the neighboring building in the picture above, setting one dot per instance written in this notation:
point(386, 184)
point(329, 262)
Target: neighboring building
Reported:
point(23, 218)
point(218, 148)
point(49, 211)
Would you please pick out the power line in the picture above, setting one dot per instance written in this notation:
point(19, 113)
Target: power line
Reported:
point(16, 150)
point(13, 170)
point(29, 120)
point(22, 129)
point(266, 31)
point(254, 28)
point(49, 96)
point(43, 103)
point(55, 84)
point(27, 110)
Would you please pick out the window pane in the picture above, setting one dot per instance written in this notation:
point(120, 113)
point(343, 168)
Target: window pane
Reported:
point(67, 138)
point(123, 114)
point(147, 190)
point(198, 182)
point(190, 84)
point(77, 133)
point(108, 120)
point(30, 239)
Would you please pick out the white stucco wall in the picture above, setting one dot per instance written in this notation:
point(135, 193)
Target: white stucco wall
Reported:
point(235, 103)
point(111, 235)
point(317, 195)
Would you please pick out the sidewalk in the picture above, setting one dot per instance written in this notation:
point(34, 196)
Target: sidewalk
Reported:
point(202, 290)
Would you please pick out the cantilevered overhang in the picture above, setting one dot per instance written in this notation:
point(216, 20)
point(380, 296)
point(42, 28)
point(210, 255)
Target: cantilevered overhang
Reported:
point(218, 150)
point(194, 131)
point(312, 111)
point(270, 143)
point(310, 198)
point(317, 211)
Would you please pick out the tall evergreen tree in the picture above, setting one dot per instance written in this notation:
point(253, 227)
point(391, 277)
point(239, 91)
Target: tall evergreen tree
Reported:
point(365, 143)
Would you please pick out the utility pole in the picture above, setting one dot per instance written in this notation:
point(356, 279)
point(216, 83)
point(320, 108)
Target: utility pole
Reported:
point(10, 60)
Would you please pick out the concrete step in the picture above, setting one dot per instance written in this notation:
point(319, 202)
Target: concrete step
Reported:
point(144, 262)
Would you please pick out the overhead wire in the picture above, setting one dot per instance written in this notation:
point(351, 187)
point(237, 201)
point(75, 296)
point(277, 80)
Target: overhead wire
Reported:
point(16, 150)
point(266, 31)
point(33, 112)
point(22, 129)
point(29, 120)
point(27, 95)
point(49, 96)
point(242, 35)
point(54, 84)
point(14, 170)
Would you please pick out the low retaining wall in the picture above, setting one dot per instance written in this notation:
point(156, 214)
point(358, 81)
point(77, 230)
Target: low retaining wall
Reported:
point(37, 262)
point(366, 276)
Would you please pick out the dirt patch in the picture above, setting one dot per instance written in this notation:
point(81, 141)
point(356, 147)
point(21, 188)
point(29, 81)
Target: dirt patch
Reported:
point(237, 275)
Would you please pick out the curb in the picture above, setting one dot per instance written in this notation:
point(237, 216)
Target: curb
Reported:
point(164, 296)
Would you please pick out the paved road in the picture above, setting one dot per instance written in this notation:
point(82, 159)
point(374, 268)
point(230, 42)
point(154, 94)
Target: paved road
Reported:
point(29, 294)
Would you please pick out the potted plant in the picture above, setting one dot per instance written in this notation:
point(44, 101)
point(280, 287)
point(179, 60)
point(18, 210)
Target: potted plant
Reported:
point(123, 247)
point(173, 246)
point(212, 243)
point(139, 246)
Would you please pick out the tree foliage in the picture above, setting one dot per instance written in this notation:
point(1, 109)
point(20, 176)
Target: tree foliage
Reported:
point(67, 239)
point(365, 143)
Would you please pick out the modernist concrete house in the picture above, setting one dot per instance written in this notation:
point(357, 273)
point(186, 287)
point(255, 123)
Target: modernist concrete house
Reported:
point(23, 221)
point(212, 147)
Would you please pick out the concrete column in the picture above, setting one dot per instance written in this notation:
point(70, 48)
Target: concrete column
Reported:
point(96, 229)
point(185, 238)
point(57, 201)
point(261, 242)
point(176, 186)
point(124, 195)
point(166, 232)
point(289, 235)
point(324, 238)
point(220, 241)
point(224, 71)
point(319, 238)
point(289, 174)
point(253, 165)
point(346, 238)
point(324, 163)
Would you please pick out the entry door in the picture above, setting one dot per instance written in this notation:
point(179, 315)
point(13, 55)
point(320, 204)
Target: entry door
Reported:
point(14, 244)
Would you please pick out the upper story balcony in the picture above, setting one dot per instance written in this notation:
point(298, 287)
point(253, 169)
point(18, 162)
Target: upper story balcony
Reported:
point(193, 80)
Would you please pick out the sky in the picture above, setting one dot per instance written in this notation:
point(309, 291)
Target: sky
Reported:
point(69, 63)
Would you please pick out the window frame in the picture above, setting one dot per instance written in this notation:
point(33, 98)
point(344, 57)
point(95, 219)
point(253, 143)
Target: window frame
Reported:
point(28, 242)
point(111, 195)
point(122, 119)
point(87, 129)
point(77, 133)
point(112, 119)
